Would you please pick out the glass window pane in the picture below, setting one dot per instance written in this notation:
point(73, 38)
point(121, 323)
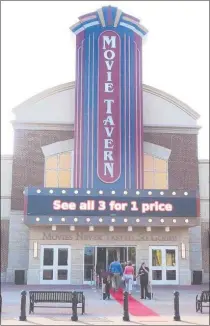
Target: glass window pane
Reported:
point(160, 165)
point(62, 257)
point(148, 163)
point(62, 274)
point(88, 272)
point(48, 257)
point(47, 274)
point(65, 161)
point(89, 253)
point(148, 180)
point(132, 256)
point(171, 275)
point(156, 257)
point(170, 257)
point(51, 162)
point(51, 178)
point(64, 179)
point(160, 181)
point(157, 275)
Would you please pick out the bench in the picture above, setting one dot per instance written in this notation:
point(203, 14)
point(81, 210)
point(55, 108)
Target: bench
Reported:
point(203, 301)
point(55, 297)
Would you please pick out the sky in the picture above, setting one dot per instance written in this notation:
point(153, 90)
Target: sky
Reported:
point(38, 52)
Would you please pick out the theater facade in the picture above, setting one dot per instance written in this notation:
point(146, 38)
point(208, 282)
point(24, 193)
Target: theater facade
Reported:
point(103, 167)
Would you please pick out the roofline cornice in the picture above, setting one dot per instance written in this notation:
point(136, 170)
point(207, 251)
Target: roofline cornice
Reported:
point(146, 88)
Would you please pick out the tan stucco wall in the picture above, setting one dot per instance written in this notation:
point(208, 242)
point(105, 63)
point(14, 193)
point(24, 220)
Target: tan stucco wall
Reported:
point(81, 238)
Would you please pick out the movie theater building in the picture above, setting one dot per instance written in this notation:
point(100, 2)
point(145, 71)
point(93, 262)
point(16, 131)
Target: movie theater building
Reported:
point(104, 167)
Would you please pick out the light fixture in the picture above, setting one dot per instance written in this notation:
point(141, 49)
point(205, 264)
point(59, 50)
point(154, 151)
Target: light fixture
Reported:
point(50, 219)
point(72, 228)
point(186, 220)
point(113, 192)
point(88, 192)
point(162, 193)
point(38, 191)
point(125, 192)
point(130, 228)
point(183, 251)
point(91, 228)
point(100, 192)
point(22, 219)
point(100, 220)
point(75, 219)
point(113, 220)
point(51, 191)
point(76, 191)
point(137, 192)
point(35, 249)
point(150, 193)
point(150, 220)
point(185, 193)
point(63, 219)
point(37, 219)
point(24, 192)
point(54, 228)
point(174, 220)
point(137, 220)
point(125, 220)
point(111, 228)
point(167, 229)
point(88, 219)
point(63, 191)
point(174, 193)
point(148, 229)
point(162, 220)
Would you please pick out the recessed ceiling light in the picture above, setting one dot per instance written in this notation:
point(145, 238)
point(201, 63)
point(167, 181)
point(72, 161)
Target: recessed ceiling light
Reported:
point(100, 192)
point(38, 191)
point(137, 220)
point(75, 219)
point(150, 220)
point(162, 193)
point(63, 191)
point(162, 220)
point(149, 192)
point(185, 193)
point(174, 193)
point(137, 192)
point(63, 219)
point(88, 219)
point(50, 219)
point(186, 220)
point(76, 191)
point(113, 192)
point(125, 192)
point(174, 220)
point(37, 219)
point(113, 220)
point(125, 220)
point(51, 191)
point(88, 191)
point(100, 220)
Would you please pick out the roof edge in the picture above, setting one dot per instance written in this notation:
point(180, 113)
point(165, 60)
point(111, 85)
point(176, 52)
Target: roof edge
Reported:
point(71, 85)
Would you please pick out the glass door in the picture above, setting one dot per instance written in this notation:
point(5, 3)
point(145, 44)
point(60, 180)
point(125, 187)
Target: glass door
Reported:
point(163, 264)
point(55, 264)
point(89, 265)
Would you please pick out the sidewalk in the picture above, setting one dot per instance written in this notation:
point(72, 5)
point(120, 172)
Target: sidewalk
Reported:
point(88, 320)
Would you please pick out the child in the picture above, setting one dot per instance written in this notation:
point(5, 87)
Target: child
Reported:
point(106, 287)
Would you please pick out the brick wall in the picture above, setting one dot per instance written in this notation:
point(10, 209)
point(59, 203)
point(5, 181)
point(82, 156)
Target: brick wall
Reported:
point(4, 244)
point(183, 161)
point(28, 163)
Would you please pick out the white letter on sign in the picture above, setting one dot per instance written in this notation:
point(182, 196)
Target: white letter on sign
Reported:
point(109, 40)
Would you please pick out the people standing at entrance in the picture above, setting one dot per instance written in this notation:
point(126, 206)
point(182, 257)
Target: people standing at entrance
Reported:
point(144, 280)
point(128, 277)
point(116, 270)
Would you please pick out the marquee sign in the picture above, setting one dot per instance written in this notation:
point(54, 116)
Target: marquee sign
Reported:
point(106, 205)
point(108, 101)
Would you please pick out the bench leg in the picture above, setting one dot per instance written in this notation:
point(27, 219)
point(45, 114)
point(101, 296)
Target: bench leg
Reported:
point(31, 307)
point(201, 307)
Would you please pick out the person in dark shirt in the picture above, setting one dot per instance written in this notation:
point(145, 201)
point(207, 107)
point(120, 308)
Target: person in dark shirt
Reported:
point(144, 280)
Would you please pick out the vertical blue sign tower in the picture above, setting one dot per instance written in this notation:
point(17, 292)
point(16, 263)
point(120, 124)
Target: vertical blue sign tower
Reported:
point(108, 101)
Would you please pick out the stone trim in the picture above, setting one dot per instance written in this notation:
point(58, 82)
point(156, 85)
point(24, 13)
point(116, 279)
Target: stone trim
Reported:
point(156, 150)
point(66, 127)
point(58, 147)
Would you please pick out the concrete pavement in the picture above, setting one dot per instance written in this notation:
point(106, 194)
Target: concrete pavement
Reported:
point(99, 312)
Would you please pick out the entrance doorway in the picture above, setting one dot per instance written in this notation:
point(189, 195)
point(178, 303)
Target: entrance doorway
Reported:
point(100, 258)
point(55, 264)
point(164, 265)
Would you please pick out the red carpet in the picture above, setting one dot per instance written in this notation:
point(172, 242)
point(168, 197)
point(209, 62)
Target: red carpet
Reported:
point(135, 307)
